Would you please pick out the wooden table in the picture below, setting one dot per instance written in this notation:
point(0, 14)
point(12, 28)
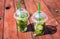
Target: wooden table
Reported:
point(8, 28)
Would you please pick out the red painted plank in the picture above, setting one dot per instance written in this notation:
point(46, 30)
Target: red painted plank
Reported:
point(10, 29)
point(57, 2)
point(25, 35)
point(52, 6)
point(51, 18)
point(47, 37)
point(16, 2)
point(30, 6)
point(1, 18)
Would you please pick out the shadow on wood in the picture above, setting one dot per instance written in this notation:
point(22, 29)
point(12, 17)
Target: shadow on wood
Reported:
point(30, 27)
point(49, 29)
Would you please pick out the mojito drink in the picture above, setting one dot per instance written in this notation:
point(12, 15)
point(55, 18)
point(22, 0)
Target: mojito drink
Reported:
point(39, 25)
point(21, 19)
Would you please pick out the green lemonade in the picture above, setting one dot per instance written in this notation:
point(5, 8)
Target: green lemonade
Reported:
point(22, 24)
point(39, 22)
point(39, 27)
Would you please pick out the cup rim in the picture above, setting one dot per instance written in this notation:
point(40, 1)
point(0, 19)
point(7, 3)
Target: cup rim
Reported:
point(40, 13)
point(21, 18)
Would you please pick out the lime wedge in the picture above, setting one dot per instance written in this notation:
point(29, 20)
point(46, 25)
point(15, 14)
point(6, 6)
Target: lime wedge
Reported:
point(38, 32)
point(40, 27)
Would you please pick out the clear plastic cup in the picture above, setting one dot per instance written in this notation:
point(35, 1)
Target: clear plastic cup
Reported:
point(39, 25)
point(21, 17)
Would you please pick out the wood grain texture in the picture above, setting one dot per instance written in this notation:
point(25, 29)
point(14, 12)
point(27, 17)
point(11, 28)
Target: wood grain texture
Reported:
point(10, 29)
point(57, 2)
point(57, 34)
point(1, 18)
point(30, 6)
point(51, 5)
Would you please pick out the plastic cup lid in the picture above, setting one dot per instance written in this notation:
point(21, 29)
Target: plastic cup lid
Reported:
point(42, 15)
point(18, 13)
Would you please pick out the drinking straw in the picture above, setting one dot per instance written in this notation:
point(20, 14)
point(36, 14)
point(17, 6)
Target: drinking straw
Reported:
point(19, 7)
point(38, 11)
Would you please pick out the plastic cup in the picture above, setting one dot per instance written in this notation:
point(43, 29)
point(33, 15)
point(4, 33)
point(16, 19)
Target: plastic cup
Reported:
point(21, 21)
point(39, 25)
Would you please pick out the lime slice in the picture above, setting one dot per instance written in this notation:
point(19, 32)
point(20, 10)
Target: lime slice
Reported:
point(25, 15)
point(18, 28)
point(25, 29)
point(38, 32)
point(18, 22)
point(42, 21)
point(40, 27)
